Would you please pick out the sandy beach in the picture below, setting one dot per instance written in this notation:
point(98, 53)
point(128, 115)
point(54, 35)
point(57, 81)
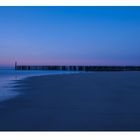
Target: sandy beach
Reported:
point(96, 101)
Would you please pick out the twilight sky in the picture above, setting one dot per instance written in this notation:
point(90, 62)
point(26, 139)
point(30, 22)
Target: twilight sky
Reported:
point(70, 35)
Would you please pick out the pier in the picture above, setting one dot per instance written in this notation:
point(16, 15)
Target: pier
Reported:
point(79, 68)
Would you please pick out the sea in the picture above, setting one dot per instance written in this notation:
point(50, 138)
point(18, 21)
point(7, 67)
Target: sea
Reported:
point(10, 76)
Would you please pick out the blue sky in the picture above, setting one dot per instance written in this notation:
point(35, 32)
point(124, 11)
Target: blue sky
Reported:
point(70, 35)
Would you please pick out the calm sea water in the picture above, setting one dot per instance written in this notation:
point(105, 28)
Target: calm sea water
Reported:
point(8, 78)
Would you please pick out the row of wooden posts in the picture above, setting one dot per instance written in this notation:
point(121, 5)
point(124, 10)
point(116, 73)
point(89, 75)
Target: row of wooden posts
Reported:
point(80, 68)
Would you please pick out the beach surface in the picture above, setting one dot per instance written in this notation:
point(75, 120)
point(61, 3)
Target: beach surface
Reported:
point(98, 101)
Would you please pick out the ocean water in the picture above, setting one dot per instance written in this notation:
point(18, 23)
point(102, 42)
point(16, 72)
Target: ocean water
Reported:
point(9, 76)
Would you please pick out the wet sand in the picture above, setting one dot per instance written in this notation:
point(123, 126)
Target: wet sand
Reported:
point(98, 101)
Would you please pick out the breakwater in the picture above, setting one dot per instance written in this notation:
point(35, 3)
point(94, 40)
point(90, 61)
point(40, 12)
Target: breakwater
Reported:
point(79, 68)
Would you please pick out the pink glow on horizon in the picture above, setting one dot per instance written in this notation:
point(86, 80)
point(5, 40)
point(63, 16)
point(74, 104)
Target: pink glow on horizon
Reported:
point(68, 62)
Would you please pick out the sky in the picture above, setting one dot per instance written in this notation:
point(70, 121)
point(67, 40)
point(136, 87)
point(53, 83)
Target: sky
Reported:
point(70, 35)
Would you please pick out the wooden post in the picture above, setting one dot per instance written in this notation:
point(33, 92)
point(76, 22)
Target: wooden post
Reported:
point(15, 65)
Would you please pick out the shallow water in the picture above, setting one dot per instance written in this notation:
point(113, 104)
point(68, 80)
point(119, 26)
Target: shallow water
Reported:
point(8, 78)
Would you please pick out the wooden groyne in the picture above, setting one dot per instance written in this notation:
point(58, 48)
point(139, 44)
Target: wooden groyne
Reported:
point(79, 68)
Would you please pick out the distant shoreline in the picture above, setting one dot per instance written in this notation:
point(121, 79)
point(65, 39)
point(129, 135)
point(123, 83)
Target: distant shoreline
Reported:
point(79, 68)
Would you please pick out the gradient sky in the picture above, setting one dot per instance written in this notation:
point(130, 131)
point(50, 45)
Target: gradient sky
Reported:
point(70, 35)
